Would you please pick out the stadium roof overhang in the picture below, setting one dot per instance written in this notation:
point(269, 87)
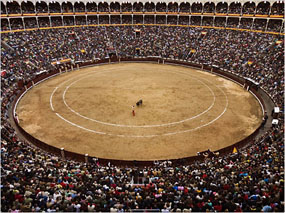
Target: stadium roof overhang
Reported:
point(145, 1)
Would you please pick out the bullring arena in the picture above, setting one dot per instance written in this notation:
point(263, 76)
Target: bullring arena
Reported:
point(142, 106)
point(184, 111)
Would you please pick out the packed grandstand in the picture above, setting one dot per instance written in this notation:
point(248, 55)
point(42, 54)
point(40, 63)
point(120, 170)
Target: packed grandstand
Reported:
point(241, 37)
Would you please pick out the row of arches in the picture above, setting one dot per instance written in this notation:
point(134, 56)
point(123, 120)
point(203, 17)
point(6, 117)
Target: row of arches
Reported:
point(270, 25)
point(27, 7)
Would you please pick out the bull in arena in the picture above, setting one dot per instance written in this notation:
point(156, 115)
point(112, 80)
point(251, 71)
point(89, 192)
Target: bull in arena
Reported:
point(139, 103)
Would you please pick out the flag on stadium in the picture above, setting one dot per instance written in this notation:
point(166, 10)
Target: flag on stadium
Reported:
point(235, 150)
point(204, 33)
point(250, 62)
point(61, 61)
point(278, 42)
point(3, 73)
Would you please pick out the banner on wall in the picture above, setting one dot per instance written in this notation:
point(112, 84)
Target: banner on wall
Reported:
point(62, 61)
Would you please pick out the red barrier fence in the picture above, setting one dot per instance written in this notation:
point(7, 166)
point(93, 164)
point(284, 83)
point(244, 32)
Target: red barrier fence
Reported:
point(81, 157)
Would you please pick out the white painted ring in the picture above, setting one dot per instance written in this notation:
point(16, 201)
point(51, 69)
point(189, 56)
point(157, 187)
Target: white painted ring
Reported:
point(139, 126)
point(139, 136)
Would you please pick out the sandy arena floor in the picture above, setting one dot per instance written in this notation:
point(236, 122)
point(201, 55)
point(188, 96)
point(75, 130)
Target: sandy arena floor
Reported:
point(184, 111)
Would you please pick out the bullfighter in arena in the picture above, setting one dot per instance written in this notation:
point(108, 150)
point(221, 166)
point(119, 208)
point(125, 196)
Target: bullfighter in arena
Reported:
point(133, 110)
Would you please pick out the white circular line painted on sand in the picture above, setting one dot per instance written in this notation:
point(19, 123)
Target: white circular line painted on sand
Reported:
point(139, 136)
point(148, 136)
point(84, 74)
point(142, 126)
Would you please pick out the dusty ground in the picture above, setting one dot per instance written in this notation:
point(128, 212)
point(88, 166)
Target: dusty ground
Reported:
point(184, 111)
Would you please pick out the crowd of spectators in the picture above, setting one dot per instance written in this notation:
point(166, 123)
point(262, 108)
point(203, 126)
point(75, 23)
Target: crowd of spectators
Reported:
point(259, 24)
point(116, 19)
point(54, 7)
point(41, 7)
point(137, 19)
point(209, 7)
point(103, 7)
point(250, 180)
point(5, 25)
point(80, 20)
point(28, 7)
point(138, 7)
point(172, 19)
point(13, 8)
point(79, 7)
point(67, 7)
point(235, 8)
point(233, 22)
point(56, 21)
point(68, 21)
point(149, 7)
point(44, 22)
point(16, 23)
point(161, 7)
point(172, 7)
point(208, 21)
point(274, 25)
point(248, 8)
point(30, 23)
point(220, 22)
point(92, 20)
point(115, 7)
point(184, 20)
point(263, 8)
point(91, 7)
point(222, 7)
point(196, 20)
point(196, 8)
point(277, 8)
point(3, 8)
point(149, 19)
point(126, 7)
point(127, 19)
point(105, 19)
point(246, 23)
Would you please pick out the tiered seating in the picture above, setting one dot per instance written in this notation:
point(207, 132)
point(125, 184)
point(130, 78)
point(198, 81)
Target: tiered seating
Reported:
point(250, 180)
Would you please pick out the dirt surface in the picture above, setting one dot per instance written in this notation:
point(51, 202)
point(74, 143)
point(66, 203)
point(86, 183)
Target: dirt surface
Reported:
point(184, 111)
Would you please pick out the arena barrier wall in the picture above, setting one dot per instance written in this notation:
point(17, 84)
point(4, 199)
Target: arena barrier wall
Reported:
point(86, 158)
